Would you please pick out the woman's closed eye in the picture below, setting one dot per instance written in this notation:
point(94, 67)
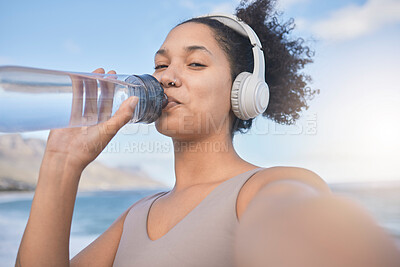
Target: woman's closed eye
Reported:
point(161, 66)
point(194, 64)
point(197, 65)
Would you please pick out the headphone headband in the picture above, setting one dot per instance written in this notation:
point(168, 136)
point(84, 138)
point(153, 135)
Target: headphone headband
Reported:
point(237, 25)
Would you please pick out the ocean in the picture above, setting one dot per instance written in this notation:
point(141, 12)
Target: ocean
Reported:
point(95, 211)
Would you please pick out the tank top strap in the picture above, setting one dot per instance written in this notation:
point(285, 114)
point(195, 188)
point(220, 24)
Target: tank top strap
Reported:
point(236, 183)
point(136, 219)
point(223, 199)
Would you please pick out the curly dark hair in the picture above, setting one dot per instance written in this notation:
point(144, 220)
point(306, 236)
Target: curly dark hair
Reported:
point(284, 59)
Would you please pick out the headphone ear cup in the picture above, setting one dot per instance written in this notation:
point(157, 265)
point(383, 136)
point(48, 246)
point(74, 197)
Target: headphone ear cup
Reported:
point(237, 89)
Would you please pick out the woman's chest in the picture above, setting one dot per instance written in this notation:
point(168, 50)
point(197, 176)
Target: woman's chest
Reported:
point(165, 214)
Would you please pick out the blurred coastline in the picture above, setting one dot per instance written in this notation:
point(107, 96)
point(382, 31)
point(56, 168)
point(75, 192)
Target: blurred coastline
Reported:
point(20, 161)
point(381, 199)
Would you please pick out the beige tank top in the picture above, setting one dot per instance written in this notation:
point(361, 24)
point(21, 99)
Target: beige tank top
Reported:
point(203, 238)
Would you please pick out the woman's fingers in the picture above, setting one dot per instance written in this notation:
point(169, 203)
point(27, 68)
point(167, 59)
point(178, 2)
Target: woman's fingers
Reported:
point(106, 98)
point(102, 113)
point(121, 117)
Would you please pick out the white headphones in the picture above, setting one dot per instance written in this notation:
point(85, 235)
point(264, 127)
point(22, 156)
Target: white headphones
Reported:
point(250, 92)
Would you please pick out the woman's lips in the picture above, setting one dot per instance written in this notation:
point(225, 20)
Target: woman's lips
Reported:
point(170, 105)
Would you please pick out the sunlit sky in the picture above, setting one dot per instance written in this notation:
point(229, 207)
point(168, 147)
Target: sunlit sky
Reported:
point(349, 133)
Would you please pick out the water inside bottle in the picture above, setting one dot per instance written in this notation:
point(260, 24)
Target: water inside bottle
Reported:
point(32, 103)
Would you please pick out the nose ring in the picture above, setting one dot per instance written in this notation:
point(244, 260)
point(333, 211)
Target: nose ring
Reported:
point(173, 83)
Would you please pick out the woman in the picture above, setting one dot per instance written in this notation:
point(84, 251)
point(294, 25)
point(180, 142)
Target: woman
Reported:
point(197, 222)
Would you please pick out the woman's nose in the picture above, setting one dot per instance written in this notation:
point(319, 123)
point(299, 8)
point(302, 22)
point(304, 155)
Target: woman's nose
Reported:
point(169, 78)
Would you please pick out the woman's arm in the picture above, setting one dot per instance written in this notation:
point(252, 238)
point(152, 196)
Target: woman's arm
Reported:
point(46, 238)
point(289, 223)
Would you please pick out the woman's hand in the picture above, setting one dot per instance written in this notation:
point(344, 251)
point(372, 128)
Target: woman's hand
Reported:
point(81, 145)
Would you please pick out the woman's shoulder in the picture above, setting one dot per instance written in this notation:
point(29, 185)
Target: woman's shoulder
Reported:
point(147, 198)
point(274, 174)
point(298, 174)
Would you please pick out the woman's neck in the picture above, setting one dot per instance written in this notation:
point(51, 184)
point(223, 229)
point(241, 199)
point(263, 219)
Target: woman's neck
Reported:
point(205, 161)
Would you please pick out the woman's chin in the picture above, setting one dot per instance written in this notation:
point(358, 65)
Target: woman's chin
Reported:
point(167, 127)
point(172, 124)
point(175, 130)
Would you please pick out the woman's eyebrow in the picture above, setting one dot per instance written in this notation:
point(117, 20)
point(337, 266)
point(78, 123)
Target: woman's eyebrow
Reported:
point(193, 48)
point(188, 49)
point(161, 52)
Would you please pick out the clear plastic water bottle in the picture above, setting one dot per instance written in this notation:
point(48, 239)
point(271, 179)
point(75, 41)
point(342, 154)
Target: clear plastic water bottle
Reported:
point(38, 99)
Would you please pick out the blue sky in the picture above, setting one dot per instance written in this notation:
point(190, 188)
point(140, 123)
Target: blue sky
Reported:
point(350, 132)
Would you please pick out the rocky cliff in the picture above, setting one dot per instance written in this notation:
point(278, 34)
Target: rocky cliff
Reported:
point(20, 161)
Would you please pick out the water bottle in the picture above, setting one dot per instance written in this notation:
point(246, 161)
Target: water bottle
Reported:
point(38, 99)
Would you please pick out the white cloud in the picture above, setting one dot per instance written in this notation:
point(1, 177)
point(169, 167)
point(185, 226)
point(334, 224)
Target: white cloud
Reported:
point(72, 47)
point(355, 21)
